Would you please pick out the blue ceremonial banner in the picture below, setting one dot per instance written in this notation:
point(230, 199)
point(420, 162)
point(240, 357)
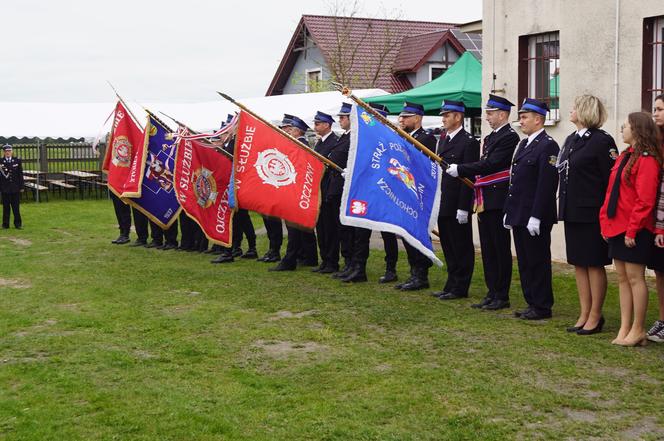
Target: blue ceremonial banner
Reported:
point(158, 200)
point(390, 185)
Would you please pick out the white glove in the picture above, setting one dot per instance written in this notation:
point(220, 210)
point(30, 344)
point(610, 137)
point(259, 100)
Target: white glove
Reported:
point(509, 227)
point(533, 226)
point(462, 216)
point(344, 172)
point(452, 170)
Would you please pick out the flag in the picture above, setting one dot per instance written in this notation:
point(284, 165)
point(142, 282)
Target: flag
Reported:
point(124, 154)
point(274, 175)
point(202, 180)
point(390, 185)
point(157, 198)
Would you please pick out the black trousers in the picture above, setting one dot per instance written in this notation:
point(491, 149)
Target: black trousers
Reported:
point(275, 232)
point(122, 214)
point(141, 225)
point(360, 246)
point(329, 232)
point(391, 250)
point(457, 242)
point(533, 254)
point(188, 232)
point(299, 243)
point(242, 225)
point(12, 201)
point(419, 263)
point(170, 236)
point(496, 245)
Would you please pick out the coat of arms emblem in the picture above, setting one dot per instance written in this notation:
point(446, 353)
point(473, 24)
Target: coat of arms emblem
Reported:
point(205, 187)
point(121, 151)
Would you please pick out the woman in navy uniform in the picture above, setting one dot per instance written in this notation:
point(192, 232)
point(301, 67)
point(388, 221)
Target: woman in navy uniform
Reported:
point(11, 185)
point(656, 331)
point(456, 204)
point(530, 209)
point(627, 221)
point(491, 175)
point(584, 165)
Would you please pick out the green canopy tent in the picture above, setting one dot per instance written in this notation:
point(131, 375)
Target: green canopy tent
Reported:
point(461, 82)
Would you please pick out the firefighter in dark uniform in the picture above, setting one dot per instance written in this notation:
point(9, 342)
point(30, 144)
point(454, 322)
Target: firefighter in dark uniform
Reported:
point(326, 227)
point(301, 244)
point(456, 204)
point(530, 209)
point(491, 175)
point(123, 215)
point(410, 120)
point(11, 185)
point(354, 240)
point(273, 227)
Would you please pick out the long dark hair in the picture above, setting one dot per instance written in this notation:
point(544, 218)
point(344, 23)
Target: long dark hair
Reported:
point(660, 97)
point(646, 138)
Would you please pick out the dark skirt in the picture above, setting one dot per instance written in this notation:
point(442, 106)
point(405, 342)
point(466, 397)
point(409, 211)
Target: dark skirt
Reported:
point(585, 246)
point(656, 259)
point(639, 254)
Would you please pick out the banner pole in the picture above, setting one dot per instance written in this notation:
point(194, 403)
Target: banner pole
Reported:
point(297, 141)
point(190, 130)
point(124, 104)
point(349, 93)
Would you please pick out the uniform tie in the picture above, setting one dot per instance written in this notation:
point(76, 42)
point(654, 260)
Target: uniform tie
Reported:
point(615, 190)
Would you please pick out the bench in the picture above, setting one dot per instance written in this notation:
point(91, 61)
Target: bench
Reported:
point(36, 189)
point(61, 185)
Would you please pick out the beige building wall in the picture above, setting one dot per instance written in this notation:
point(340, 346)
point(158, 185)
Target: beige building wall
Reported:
point(588, 35)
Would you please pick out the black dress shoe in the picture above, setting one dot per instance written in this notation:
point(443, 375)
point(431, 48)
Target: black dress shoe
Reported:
point(18, 227)
point(122, 240)
point(154, 244)
point(237, 252)
point(139, 243)
point(437, 294)
point(223, 258)
point(496, 305)
point(169, 246)
point(574, 328)
point(275, 257)
point(534, 315)
point(389, 276)
point(250, 254)
point(595, 330)
point(328, 270)
point(343, 273)
point(520, 312)
point(415, 284)
point(281, 267)
point(358, 275)
point(451, 296)
point(318, 268)
point(400, 285)
point(485, 301)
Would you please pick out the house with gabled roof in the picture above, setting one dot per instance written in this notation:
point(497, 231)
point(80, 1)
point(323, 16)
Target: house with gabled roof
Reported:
point(393, 55)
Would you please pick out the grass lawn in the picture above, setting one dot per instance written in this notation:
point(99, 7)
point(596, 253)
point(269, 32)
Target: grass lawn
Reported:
point(106, 342)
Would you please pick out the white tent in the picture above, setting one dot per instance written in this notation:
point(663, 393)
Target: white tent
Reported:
point(86, 120)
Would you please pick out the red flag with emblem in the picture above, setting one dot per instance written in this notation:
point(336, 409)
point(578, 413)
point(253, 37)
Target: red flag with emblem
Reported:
point(274, 175)
point(125, 155)
point(202, 178)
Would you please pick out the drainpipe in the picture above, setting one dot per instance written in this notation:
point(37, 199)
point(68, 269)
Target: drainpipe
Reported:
point(615, 72)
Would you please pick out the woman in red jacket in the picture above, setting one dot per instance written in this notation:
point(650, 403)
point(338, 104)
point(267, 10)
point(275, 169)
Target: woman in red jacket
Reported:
point(656, 332)
point(627, 221)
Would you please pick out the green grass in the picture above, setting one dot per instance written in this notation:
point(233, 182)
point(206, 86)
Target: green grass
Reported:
point(105, 342)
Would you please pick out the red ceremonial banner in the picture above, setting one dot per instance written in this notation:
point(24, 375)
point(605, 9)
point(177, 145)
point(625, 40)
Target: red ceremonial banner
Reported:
point(125, 153)
point(274, 175)
point(202, 178)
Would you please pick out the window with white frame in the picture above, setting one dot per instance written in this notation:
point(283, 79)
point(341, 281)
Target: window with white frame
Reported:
point(653, 62)
point(312, 79)
point(539, 70)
